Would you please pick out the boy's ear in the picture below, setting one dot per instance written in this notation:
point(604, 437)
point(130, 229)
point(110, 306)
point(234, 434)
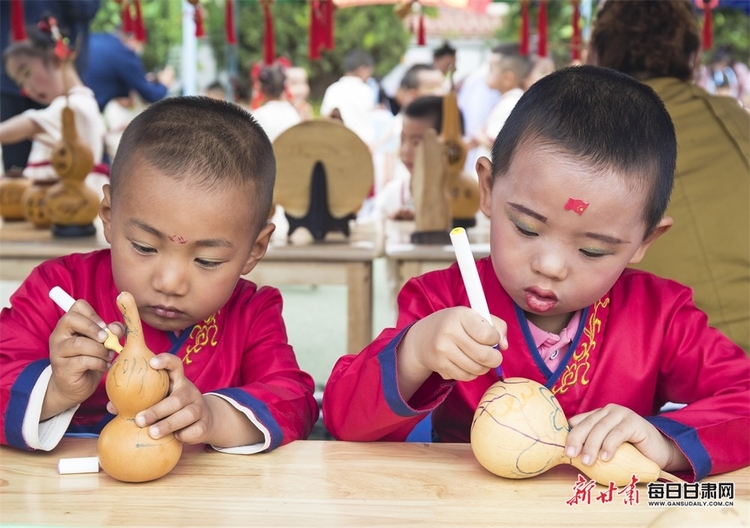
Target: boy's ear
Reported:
point(484, 172)
point(259, 247)
point(105, 213)
point(662, 227)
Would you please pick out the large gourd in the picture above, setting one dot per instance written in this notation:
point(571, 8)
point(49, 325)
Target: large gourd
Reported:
point(70, 203)
point(519, 431)
point(126, 451)
point(463, 189)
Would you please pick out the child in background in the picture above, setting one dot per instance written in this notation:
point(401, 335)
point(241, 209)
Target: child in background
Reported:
point(276, 114)
point(185, 213)
point(39, 67)
point(298, 90)
point(508, 71)
point(394, 201)
point(571, 204)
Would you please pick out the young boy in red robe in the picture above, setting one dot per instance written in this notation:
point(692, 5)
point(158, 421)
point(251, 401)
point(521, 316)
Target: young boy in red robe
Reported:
point(186, 215)
point(580, 178)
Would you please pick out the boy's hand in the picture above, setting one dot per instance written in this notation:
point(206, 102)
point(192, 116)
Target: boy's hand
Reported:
point(77, 357)
point(457, 343)
point(184, 412)
point(600, 432)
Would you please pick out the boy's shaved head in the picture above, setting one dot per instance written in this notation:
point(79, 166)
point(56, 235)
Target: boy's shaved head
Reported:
point(603, 118)
point(201, 141)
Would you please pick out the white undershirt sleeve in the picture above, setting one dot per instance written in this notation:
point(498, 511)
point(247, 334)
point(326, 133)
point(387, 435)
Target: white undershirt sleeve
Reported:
point(47, 434)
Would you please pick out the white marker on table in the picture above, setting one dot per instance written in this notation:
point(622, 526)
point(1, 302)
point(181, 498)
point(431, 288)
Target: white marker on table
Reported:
point(65, 301)
point(470, 276)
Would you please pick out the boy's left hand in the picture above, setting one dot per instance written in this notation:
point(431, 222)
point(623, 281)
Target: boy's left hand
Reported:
point(600, 432)
point(184, 412)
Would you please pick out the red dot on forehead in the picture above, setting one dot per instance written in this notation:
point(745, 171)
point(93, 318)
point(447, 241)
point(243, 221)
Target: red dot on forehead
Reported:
point(574, 204)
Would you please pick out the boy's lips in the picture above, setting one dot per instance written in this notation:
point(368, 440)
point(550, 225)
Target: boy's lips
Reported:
point(168, 312)
point(539, 300)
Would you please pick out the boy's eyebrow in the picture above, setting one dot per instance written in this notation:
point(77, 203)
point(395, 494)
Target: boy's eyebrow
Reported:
point(209, 242)
point(606, 238)
point(527, 211)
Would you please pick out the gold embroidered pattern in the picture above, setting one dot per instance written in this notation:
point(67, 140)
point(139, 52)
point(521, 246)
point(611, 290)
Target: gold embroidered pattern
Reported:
point(579, 365)
point(202, 335)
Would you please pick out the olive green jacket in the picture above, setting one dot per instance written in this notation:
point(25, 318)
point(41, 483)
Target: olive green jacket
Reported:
point(708, 248)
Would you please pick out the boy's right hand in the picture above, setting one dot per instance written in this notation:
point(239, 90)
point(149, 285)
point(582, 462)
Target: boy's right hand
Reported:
point(457, 343)
point(78, 358)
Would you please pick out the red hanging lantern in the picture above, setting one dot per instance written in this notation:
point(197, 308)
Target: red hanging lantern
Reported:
point(125, 17)
point(328, 8)
point(523, 45)
point(317, 37)
point(708, 30)
point(17, 23)
point(541, 24)
point(229, 23)
point(421, 41)
point(198, 18)
point(139, 29)
point(575, 39)
point(269, 51)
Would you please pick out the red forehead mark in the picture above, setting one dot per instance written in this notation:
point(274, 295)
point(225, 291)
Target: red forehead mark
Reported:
point(574, 204)
point(178, 239)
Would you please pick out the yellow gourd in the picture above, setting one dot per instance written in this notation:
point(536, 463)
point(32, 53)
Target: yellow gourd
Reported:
point(519, 430)
point(126, 451)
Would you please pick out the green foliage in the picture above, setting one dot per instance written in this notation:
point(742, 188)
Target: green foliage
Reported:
point(163, 21)
point(374, 28)
point(731, 29)
point(559, 27)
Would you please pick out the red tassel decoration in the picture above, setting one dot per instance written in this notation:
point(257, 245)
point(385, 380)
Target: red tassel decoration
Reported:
point(316, 37)
point(708, 30)
point(200, 32)
point(523, 46)
point(139, 30)
point(127, 19)
point(541, 23)
point(269, 53)
point(421, 41)
point(575, 39)
point(17, 23)
point(328, 9)
point(229, 22)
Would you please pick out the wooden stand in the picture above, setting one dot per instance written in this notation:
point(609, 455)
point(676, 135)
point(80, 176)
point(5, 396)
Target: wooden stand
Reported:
point(318, 219)
point(432, 214)
point(323, 174)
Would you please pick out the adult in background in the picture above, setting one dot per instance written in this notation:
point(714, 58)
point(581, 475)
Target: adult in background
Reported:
point(351, 98)
point(73, 18)
point(708, 249)
point(444, 58)
point(115, 69)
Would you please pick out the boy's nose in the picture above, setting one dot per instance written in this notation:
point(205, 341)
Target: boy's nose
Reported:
point(550, 264)
point(171, 278)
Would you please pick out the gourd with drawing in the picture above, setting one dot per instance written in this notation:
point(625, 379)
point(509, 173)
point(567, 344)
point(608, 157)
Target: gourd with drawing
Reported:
point(34, 203)
point(519, 431)
point(126, 451)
